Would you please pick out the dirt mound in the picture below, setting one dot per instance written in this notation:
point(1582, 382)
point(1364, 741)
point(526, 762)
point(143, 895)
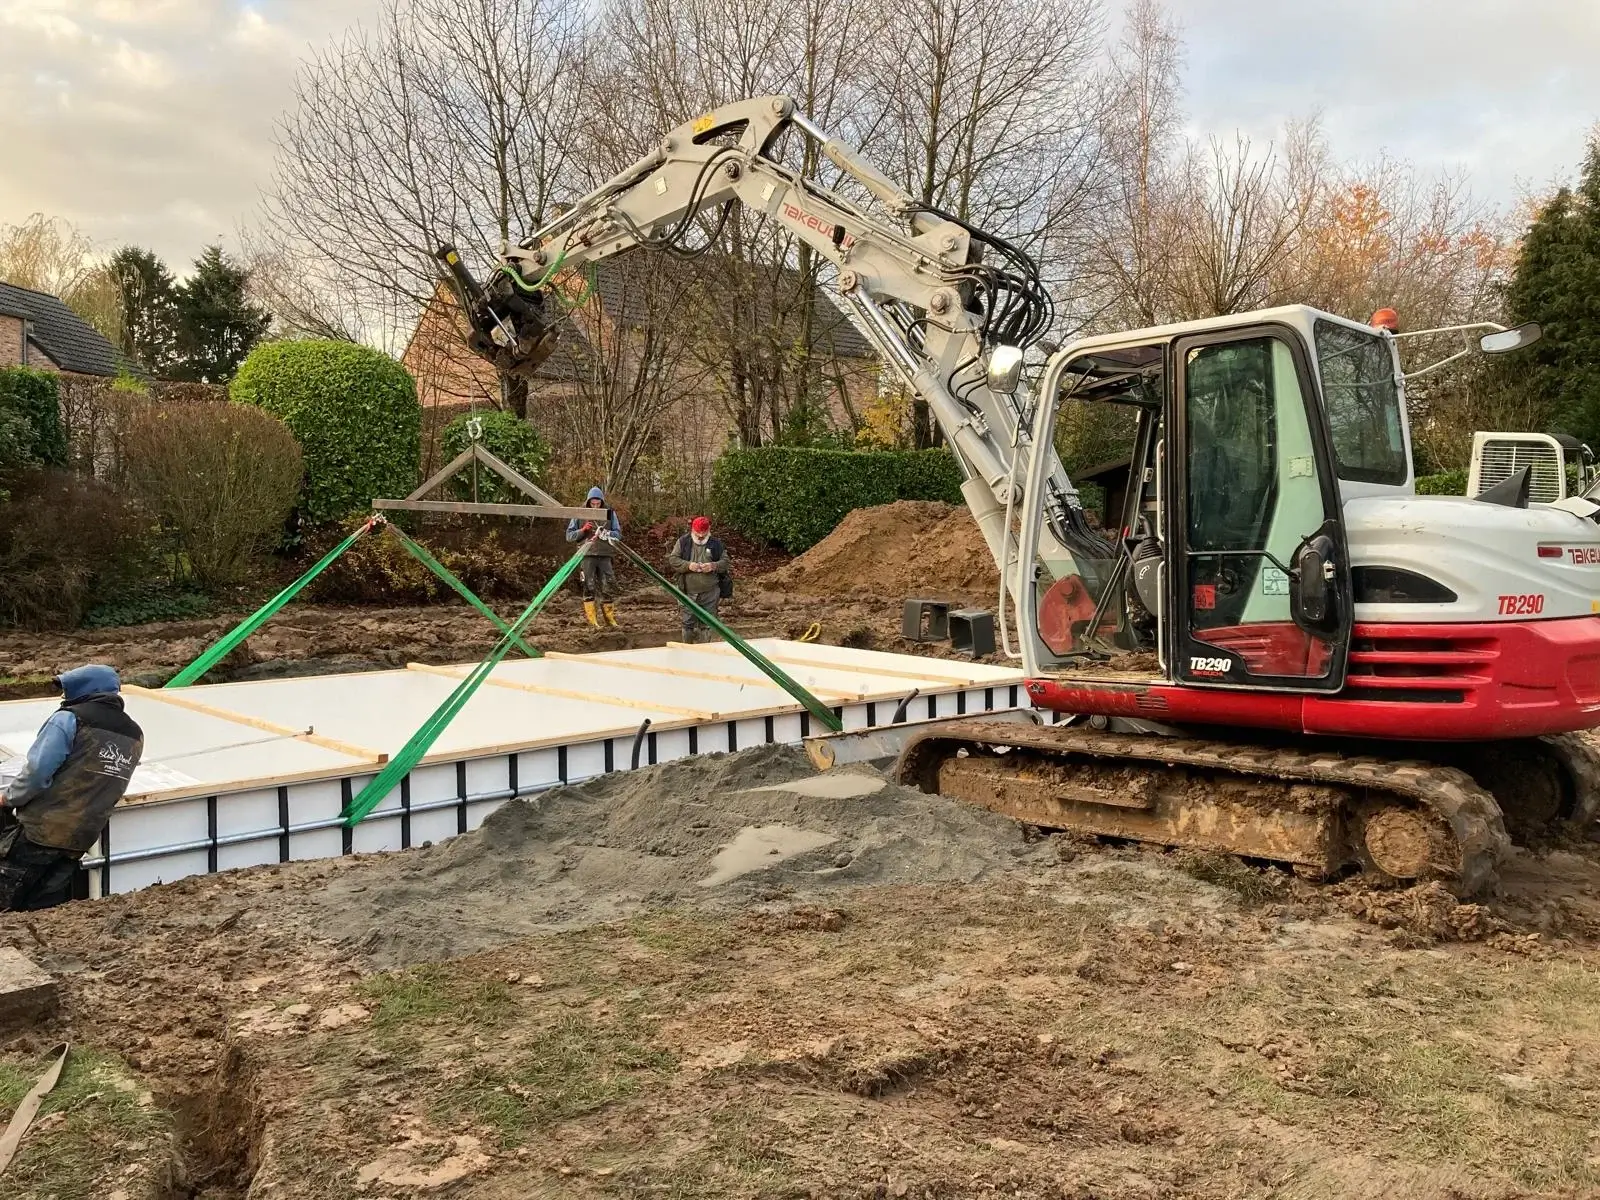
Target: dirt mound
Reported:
point(911, 547)
point(716, 830)
point(1427, 911)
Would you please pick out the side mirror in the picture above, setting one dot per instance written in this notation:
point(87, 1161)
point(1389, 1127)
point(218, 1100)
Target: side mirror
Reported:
point(1510, 339)
point(1313, 582)
point(1005, 370)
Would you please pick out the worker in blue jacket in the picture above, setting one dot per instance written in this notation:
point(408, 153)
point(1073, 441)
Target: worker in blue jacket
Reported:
point(78, 768)
point(599, 575)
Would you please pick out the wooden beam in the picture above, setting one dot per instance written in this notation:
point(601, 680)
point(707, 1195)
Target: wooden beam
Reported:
point(549, 512)
point(891, 672)
point(655, 669)
point(568, 694)
point(443, 473)
point(512, 476)
point(163, 696)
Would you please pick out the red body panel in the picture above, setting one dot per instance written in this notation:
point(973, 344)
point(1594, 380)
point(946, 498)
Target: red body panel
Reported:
point(1405, 682)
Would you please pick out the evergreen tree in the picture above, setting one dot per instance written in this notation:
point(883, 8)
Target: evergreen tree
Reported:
point(1557, 284)
point(217, 325)
point(148, 297)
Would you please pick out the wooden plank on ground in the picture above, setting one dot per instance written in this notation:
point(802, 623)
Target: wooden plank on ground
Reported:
point(709, 676)
point(27, 994)
point(163, 696)
point(540, 689)
point(849, 668)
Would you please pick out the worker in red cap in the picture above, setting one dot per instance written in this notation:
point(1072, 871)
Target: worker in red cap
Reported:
point(1386, 318)
point(704, 574)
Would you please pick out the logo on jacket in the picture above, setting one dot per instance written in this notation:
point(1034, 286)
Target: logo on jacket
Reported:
point(115, 761)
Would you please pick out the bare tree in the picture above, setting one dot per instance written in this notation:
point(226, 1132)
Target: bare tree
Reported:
point(632, 373)
point(50, 254)
point(448, 122)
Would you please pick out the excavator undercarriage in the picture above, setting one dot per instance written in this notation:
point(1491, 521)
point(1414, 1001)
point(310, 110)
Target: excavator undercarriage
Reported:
point(1322, 810)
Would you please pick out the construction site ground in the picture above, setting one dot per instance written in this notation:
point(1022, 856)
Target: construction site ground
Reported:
point(729, 976)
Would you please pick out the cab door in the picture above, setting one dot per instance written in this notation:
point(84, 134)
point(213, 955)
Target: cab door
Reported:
point(1258, 571)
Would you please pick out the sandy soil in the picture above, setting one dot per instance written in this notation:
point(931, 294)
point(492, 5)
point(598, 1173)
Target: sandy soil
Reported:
point(731, 977)
point(909, 548)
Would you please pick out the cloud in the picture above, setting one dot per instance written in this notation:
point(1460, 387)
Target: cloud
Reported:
point(150, 121)
point(1505, 92)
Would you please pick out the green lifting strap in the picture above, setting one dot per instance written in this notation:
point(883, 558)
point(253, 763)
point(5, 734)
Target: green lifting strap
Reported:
point(461, 589)
point(263, 614)
point(422, 741)
point(770, 669)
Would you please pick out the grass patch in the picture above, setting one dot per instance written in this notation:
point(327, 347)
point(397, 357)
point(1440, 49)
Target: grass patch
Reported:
point(1251, 885)
point(100, 1114)
point(576, 1067)
point(431, 992)
point(740, 1156)
point(681, 936)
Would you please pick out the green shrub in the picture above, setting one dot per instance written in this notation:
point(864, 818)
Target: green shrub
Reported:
point(379, 570)
point(144, 604)
point(220, 478)
point(354, 412)
point(510, 439)
point(67, 544)
point(1445, 483)
point(794, 497)
point(30, 419)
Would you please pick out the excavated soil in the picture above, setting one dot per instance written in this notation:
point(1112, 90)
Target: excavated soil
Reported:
point(910, 548)
point(730, 976)
point(716, 830)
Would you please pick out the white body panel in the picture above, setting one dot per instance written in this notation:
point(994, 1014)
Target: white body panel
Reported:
point(1482, 552)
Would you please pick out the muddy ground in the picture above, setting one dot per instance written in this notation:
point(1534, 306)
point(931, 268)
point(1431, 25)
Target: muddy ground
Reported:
point(308, 639)
point(731, 977)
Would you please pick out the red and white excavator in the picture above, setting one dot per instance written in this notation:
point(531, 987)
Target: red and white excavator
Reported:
point(1283, 652)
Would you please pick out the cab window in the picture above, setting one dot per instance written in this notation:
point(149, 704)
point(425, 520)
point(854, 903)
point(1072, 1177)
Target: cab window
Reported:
point(1358, 384)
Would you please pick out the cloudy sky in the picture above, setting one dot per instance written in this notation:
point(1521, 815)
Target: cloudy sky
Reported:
point(150, 121)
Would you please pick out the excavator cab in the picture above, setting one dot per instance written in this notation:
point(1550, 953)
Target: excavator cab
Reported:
point(1233, 568)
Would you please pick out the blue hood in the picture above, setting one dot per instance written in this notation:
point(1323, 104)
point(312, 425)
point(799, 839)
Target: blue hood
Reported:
point(93, 680)
point(597, 494)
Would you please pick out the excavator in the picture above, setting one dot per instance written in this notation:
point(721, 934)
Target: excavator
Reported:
point(1276, 649)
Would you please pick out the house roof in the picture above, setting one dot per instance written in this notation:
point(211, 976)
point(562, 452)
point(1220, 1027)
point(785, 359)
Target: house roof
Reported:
point(70, 341)
point(628, 304)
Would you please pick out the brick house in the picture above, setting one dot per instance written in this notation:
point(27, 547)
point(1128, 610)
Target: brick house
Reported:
point(37, 330)
point(643, 327)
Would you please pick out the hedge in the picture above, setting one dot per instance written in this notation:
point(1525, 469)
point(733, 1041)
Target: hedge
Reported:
point(354, 412)
point(1445, 483)
point(794, 497)
point(30, 419)
point(510, 439)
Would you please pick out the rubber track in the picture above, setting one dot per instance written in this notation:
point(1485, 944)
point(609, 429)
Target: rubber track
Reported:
point(1468, 811)
point(1578, 754)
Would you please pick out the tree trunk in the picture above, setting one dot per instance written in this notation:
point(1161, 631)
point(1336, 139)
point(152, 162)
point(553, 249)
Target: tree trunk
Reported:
point(514, 395)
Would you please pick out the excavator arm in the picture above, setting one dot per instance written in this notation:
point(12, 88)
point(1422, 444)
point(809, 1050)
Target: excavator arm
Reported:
point(949, 307)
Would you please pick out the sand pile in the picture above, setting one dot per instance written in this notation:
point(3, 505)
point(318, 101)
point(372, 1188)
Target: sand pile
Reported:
point(911, 547)
point(716, 830)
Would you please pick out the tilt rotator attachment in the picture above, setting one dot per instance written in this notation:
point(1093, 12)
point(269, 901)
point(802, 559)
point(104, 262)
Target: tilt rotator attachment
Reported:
point(510, 323)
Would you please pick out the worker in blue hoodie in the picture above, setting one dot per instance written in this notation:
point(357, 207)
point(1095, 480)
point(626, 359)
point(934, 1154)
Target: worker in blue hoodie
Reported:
point(599, 575)
point(77, 769)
